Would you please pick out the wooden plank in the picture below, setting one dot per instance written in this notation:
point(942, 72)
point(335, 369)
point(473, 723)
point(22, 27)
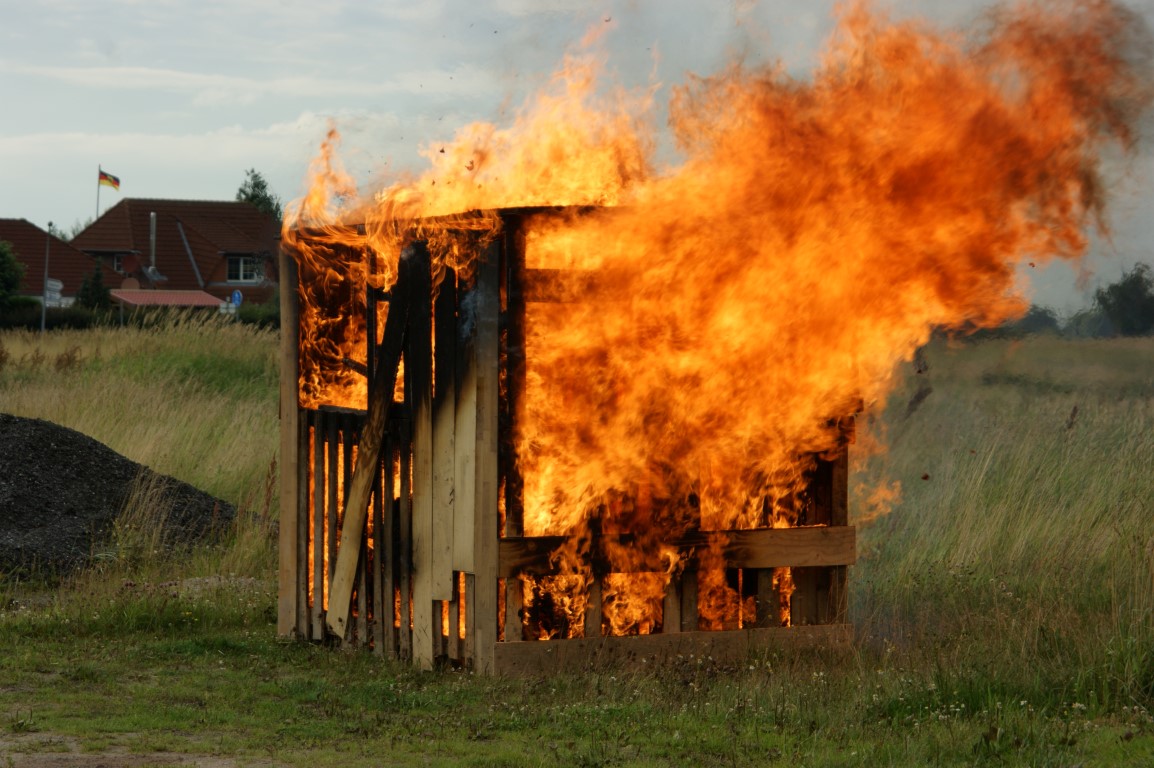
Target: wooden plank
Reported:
point(689, 601)
point(304, 509)
point(378, 572)
point(513, 356)
point(840, 489)
point(444, 438)
point(514, 609)
point(487, 304)
point(289, 566)
point(469, 646)
point(368, 451)
point(464, 465)
point(671, 609)
point(683, 648)
point(404, 540)
point(318, 516)
point(768, 598)
point(803, 603)
point(332, 469)
point(390, 546)
point(453, 643)
point(419, 393)
point(594, 609)
point(760, 548)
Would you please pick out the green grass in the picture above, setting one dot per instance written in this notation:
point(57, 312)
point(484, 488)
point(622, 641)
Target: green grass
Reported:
point(1003, 600)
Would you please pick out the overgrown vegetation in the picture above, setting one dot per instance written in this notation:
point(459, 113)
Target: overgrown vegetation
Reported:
point(1003, 600)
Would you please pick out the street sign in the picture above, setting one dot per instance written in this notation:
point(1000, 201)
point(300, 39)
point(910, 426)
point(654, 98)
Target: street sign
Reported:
point(237, 297)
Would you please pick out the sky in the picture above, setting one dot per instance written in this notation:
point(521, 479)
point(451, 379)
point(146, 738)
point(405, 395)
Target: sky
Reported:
point(179, 97)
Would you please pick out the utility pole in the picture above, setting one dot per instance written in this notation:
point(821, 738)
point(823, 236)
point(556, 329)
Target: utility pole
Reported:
point(44, 298)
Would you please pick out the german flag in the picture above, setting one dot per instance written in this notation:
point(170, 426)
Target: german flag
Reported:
point(108, 180)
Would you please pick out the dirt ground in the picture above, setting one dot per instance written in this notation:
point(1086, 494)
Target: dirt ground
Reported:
point(60, 491)
point(42, 750)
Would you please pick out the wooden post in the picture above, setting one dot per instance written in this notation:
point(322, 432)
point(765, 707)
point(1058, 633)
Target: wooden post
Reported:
point(419, 391)
point(318, 520)
point(689, 601)
point(380, 612)
point(512, 273)
point(444, 438)
point(390, 546)
point(405, 539)
point(593, 608)
point(485, 362)
point(288, 594)
point(303, 514)
point(671, 610)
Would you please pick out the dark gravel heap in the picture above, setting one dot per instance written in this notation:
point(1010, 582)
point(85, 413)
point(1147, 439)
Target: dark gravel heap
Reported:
point(60, 492)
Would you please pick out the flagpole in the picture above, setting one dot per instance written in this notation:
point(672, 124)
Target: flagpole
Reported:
point(99, 170)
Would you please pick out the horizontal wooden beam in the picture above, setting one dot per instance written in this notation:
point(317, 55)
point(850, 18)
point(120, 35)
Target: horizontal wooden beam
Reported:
point(761, 548)
point(544, 657)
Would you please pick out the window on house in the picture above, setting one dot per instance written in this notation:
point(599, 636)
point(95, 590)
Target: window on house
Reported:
point(118, 264)
point(243, 269)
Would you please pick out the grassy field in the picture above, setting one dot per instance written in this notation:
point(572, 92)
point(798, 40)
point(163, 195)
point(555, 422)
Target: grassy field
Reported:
point(1003, 601)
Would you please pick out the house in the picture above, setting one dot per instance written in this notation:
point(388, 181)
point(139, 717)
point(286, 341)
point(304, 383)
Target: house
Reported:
point(66, 263)
point(185, 252)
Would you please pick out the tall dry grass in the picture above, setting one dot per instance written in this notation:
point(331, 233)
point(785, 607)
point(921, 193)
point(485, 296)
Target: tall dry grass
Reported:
point(1022, 544)
point(192, 396)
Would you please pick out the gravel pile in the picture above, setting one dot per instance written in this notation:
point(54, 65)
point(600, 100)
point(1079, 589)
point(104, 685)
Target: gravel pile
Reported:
point(60, 492)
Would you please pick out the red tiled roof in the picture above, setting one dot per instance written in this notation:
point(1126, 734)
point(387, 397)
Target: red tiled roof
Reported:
point(151, 298)
point(193, 239)
point(66, 263)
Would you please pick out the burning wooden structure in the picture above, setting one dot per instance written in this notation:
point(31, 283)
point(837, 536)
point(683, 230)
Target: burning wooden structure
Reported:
point(403, 521)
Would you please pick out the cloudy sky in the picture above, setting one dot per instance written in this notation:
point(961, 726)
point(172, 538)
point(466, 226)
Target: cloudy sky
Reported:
point(179, 97)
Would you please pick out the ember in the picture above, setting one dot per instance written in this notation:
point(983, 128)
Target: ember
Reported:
point(608, 401)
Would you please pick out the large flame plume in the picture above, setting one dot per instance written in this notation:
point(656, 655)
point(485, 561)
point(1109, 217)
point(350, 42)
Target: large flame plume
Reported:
point(814, 235)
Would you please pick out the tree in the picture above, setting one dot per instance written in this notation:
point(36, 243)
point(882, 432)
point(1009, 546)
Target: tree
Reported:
point(93, 293)
point(255, 190)
point(11, 273)
point(1129, 303)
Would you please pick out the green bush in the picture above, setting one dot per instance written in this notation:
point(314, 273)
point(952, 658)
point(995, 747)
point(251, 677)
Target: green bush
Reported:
point(265, 315)
point(24, 312)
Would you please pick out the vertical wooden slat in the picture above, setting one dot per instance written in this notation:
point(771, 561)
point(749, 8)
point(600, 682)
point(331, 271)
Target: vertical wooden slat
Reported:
point(469, 647)
point(768, 599)
point(671, 611)
point(444, 444)
point(319, 453)
point(513, 269)
point(839, 575)
point(484, 602)
point(465, 447)
point(453, 646)
point(379, 612)
point(689, 601)
point(803, 604)
point(404, 540)
point(419, 388)
point(514, 615)
point(288, 594)
point(593, 609)
point(304, 508)
point(332, 473)
point(390, 534)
